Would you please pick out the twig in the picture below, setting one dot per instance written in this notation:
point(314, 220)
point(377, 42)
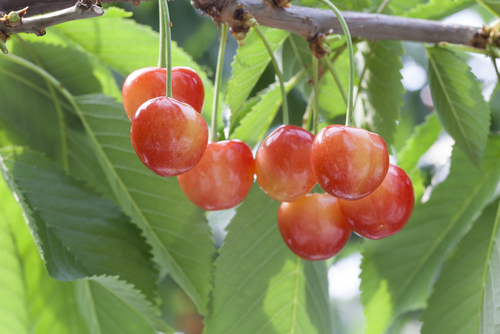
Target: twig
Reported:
point(37, 25)
point(307, 22)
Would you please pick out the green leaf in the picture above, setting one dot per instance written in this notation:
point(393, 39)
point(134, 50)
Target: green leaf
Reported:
point(176, 229)
point(83, 162)
point(249, 63)
point(13, 311)
point(455, 305)
point(397, 271)
point(28, 110)
point(60, 62)
point(420, 141)
point(111, 306)
point(488, 322)
point(458, 102)
point(438, 9)
point(296, 56)
point(356, 5)
point(396, 7)
point(32, 301)
point(78, 233)
point(260, 285)
point(495, 110)
point(381, 87)
point(331, 102)
point(492, 5)
point(264, 108)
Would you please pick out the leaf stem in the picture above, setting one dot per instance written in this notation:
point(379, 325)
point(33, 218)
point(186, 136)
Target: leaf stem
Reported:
point(336, 77)
point(278, 74)
point(218, 80)
point(349, 116)
point(316, 96)
point(166, 44)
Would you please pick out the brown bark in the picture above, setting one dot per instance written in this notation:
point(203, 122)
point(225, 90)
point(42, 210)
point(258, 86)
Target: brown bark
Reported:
point(303, 21)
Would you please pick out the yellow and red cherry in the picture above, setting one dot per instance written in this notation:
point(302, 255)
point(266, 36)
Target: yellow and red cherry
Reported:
point(312, 227)
point(283, 165)
point(168, 136)
point(223, 177)
point(147, 83)
point(385, 211)
point(349, 163)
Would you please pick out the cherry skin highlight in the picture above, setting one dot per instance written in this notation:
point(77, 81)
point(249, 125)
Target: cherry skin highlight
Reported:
point(168, 136)
point(385, 211)
point(283, 166)
point(223, 177)
point(312, 227)
point(349, 163)
point(147, 83)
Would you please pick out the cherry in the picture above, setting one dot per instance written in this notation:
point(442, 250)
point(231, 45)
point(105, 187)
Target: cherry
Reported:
point(147, 83)
point(282, 164)
point(168, 136)
point(223, 177)
point(385, 211)
point(349, 163)
point(312, 227)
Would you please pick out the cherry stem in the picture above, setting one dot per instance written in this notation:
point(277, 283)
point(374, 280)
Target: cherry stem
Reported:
point(218, 80)
point(493, 60)
point(336, 78)
point(349, 116)
point(278, 74)
point(162, 58)
point(165, 59)
point(316, 96)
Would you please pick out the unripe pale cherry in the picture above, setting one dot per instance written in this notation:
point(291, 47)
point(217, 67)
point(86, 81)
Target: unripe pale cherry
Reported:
point(283, 165)
point(147, 83)
point(349, 163)
point(385, 211)
point(223, 177)
point(168, 136)
point(312, 227)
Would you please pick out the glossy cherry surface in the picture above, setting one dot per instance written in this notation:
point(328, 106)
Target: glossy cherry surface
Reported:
point(223, 177)
point(283, 166)
point(169, 136)
point(147, 83)
point(312, 227)
point(349, 163)
point(385, 211)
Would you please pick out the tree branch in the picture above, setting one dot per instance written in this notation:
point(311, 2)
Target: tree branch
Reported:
point(42, 6)
point(306, 22)
point(38, 24)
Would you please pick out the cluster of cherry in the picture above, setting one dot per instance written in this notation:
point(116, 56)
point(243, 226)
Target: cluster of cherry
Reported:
point(364, 193)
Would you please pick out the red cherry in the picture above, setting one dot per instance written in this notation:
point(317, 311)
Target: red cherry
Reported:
point(312, 227)
point(385, 211)
point(282, 164)
point(349, 163)
point(223, 177)
point(168, 136)
point(147, 83)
